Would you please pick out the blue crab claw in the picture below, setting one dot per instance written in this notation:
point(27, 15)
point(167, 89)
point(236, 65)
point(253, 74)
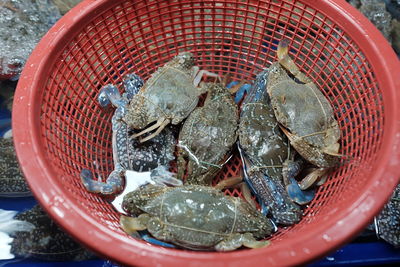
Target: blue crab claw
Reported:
point(113, 185)
point(297, 195)
point(109, 94)
point(132, 84)
point(292, 168)
point(241, 92)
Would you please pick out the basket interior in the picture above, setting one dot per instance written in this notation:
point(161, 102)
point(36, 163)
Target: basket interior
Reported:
point(236, 37)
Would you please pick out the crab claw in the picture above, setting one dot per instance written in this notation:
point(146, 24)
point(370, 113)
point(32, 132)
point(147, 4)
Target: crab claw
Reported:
point(288, 63)
point(240, 88)
point(113, 185)
point(297, 195)
point(109, 94)
point(270, 192)
point(292, 168)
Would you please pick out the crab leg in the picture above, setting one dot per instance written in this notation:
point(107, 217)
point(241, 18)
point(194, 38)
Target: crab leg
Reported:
point(333, 150)
point(237, 240)
point(237, 180)
point(162, 126)
point(250, 242)
point(114, 183)
point(198, 75)
point(151, 128)
point(237, 87)
point(131, 225)
point(247, 194)
point(290, 170)
point(284, 59)
point(229, 182)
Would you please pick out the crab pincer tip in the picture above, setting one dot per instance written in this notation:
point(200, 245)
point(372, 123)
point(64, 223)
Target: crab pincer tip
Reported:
point(283, 48)
point(284, 43)
point(86, 174)
point(297, 195)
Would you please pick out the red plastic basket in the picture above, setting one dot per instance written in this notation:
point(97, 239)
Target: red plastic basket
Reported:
point(59, 128)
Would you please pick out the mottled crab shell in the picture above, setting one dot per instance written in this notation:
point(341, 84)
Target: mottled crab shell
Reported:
point(12, 181)
point(259, 133)
point(388, 221)
point(168, 94)
point(158, 151)
point(208, 135)
point(196, 217)
point(46, 241)
point(306, 113)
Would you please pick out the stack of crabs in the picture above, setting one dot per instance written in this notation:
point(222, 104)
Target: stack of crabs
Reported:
point(284, 131)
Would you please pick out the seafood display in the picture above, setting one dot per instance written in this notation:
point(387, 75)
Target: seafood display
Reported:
point(207, 136)
point(46, 241)
point(12, 181)
point(284, 131)
point(9, 226)
point(385, 15)
point(177, 136)
point(31, 233)
point(195, 217)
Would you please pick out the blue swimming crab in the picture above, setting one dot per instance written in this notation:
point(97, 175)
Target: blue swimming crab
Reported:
point(46, 240)
point(195, 217)
point(207, 136)
point(128, 154)
point(265, 152)
point(169, 96)
point(305, 115)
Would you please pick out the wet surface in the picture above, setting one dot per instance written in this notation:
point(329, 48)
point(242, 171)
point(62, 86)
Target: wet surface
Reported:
point(23, 23)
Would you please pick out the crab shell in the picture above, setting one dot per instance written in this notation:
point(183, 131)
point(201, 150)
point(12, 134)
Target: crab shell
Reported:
point(169, 94)
point(195, 217)
point(208, 135)
point(259, 133)
point(387, 223)
point(307, 117)
point(158, 151)
point(46, 241)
